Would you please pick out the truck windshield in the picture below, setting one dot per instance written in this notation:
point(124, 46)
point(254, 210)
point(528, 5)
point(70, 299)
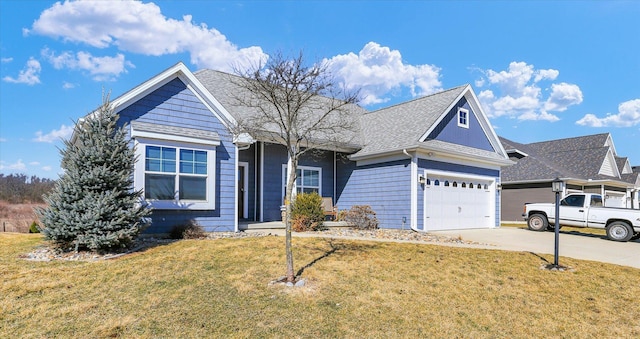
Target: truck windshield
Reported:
point(573, 200)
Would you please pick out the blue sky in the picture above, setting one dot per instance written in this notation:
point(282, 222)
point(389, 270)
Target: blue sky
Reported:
point(542, 69)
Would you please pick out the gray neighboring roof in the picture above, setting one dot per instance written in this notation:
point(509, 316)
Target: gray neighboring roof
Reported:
point(578, 158)
point(621, 162)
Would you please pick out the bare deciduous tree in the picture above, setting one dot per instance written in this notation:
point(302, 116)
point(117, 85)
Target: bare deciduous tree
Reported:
point(301, 107)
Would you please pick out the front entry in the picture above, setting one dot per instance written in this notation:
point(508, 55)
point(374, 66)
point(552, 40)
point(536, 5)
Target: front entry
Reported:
point(242, 190)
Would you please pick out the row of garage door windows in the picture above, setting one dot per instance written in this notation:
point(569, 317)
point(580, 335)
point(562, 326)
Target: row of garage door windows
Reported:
point(455, 184)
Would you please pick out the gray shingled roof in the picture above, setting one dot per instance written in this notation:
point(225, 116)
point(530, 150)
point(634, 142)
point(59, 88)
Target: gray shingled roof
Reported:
point(579, 158)
point(226, 89)
point(390, 129)
point(401, 126)
point(177, 131)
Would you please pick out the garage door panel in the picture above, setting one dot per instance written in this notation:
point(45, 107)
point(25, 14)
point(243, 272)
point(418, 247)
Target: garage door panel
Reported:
point(455, 202)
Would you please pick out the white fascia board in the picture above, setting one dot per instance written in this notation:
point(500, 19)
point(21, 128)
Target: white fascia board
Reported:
point(473, 101)
point(209, 100)
point(433, 154)
point(381, 158)
point(459, 161)
point(180, 71)
point(183, 139)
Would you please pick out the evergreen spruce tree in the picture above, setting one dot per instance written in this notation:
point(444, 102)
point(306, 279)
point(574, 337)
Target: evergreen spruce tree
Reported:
point(93, 205)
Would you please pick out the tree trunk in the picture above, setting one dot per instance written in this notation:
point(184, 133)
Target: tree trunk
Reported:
point(288, 201)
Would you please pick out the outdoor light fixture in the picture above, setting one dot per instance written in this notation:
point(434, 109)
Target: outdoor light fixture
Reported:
point(557, 186)
point(421, 179)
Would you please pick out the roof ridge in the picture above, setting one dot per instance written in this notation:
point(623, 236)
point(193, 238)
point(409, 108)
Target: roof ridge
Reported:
point(419, 98)
point(570, 138)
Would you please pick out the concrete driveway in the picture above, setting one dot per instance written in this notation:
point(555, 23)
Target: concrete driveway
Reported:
point(572, 244)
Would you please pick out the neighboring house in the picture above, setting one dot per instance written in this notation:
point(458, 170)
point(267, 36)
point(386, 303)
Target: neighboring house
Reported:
point(428, 164)
point(586, 164)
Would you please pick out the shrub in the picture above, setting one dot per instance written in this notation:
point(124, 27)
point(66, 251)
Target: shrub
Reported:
point(188, 230)
point(307, 213)
point(34, 228)
point(93, 205)
point(361, 217)
point(301, 223)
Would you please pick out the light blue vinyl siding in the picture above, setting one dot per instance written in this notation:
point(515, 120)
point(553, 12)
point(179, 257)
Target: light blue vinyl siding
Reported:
point(386, 187)
point(424, 164)
point(175, 105)
point(449, 131)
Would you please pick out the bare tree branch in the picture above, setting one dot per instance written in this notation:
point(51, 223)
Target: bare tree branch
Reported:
point(301, 107)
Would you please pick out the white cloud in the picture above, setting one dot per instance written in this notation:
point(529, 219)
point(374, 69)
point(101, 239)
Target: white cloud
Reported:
point(548, 74)
point(100, 68)
point(3, 140)
point(17, 166)
point(6, 60)
point(29, 75)
point(562, 96)
point(378, 70)
point(34, 163)
point(516, 92)
point(141, 28)
point(47, 168)
point(63, 133)
point(68, 85)
point(628, 115)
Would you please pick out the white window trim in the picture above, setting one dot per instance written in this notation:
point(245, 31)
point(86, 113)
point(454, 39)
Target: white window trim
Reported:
point(177, 204)
point(302, 168)
point(466, 112)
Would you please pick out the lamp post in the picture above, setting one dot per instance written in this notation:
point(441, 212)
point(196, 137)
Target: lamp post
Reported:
point(557, 186)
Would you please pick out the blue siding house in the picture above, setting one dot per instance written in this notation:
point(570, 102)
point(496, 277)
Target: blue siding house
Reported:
point(427, 164)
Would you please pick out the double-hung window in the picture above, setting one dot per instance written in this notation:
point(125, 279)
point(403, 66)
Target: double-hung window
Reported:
point(176, 174)
point(308, 179)
point(463, 117)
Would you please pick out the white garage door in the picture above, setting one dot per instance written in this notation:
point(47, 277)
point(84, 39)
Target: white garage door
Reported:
point(458, 202)
point(615, 199)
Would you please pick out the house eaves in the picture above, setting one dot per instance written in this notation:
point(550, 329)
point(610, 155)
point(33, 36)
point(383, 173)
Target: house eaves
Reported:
point(179, 71)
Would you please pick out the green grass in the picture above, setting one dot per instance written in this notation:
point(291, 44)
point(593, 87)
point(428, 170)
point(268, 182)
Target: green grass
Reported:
point(356, 289)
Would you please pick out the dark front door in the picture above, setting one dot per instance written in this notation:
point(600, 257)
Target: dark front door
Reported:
point(241, 191)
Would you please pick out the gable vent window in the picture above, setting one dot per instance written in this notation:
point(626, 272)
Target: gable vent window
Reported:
point(463, 117)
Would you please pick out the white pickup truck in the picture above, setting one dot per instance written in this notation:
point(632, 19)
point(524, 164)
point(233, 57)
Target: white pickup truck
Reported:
point(585, 210)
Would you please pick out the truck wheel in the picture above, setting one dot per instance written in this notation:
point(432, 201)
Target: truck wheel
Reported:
point(538, 222)
point(619, 231)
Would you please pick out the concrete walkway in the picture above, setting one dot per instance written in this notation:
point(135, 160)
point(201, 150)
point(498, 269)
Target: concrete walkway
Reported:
point(572, 244)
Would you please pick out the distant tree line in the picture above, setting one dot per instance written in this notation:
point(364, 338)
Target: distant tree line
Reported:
point(19, 188)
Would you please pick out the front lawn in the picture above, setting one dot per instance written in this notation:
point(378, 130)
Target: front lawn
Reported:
point(358, 289)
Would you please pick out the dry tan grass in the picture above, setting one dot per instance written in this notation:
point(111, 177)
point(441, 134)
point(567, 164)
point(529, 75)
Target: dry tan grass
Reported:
point(356, 289)
point(17, 217)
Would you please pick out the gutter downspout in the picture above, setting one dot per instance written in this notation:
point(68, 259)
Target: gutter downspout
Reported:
point(413, 222)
